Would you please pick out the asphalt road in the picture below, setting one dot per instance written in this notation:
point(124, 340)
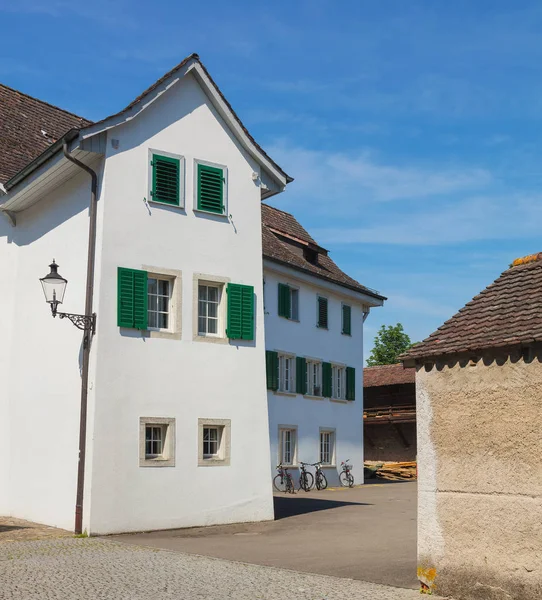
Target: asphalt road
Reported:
point(366, 533)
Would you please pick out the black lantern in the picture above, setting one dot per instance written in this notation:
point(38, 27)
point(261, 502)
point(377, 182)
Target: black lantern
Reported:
point(54, 287)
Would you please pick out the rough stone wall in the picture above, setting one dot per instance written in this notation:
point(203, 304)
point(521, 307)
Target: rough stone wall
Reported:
point(480, 479)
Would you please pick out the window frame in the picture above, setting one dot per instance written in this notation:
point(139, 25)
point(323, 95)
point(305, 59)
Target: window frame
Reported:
point(282, 357)
point(216, 281)
point(223, 456)
point(174, 330)
point(196, 209)
point(310, 386)
point(338, 370)
point(292, 429)
point(167, 457)
point(182, 176)
point(332, 443)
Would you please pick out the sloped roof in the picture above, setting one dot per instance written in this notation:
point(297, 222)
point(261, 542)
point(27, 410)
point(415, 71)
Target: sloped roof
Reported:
point(23, 120)
point(28, 126)
point(286, 250)
point(388, 375)
point(506, 313)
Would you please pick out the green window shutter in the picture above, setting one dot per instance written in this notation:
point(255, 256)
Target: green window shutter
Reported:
point(272, 369)
point(132, 298)
point(285, 308)
point(211, 189)
point(240, 311)
point(350, 383)
point(322, 312)
point(347, 320)
point(327, 380)
point(300, 375)
point(166, 177)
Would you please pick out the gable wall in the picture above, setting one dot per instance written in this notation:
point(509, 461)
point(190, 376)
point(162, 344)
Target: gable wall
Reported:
point(138, 376)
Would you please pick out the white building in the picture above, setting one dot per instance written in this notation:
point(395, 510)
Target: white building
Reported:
point(177, 430)
point(314, 316)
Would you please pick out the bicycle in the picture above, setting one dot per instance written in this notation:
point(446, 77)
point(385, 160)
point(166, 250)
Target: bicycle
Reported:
point(306, 478)
point(346, 478)
point(284, 482)
point(319, 477)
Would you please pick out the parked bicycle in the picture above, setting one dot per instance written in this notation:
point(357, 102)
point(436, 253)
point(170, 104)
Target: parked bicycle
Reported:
point(306, 478)
point(284, 482)
point(346, 477)
point(319, 477)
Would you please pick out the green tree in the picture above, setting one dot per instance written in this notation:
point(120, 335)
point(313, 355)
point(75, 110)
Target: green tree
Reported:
point(390, 342)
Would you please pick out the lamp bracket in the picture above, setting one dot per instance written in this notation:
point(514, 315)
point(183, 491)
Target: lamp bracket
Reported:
point(83, 322)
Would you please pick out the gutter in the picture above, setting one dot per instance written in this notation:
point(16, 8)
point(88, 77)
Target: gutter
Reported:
point(87, 336)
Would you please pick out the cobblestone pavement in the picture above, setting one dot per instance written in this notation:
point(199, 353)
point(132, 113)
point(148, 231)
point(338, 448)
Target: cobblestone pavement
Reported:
point(97, 569)
point(17, 530)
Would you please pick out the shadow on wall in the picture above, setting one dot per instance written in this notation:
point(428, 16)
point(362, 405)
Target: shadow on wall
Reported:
point(290, 506)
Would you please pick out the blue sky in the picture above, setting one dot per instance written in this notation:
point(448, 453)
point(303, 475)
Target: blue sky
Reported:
point(412, 128)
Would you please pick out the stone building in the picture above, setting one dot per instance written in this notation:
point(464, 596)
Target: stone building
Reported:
point(479, 410)
point(389, 413)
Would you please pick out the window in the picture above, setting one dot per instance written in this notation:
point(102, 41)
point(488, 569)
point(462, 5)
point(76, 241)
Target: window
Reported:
point(322, 312)
point(287, 445)
point(166, 178)
point(314, 378)
point(159, 294)
point(288, 302)
point(327, 447)
point(208, 309)
point(286, 373)
point(214, 442)
point(211, 188)
point(339, 382)
point(211, 441)
point(150, 300)
point(156, 442)
point(346, 319)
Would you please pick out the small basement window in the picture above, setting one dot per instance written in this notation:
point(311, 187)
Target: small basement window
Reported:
point(156, 442)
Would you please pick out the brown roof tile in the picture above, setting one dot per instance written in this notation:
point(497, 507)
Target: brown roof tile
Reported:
point(506, 313)
point(284, 250)
point(388, 375)
point(28, 127)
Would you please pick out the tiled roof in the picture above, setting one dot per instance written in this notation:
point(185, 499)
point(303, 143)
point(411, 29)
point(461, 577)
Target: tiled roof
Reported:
point(283, 249)
point(507, 313)
point(27, 128)
point(388, 375)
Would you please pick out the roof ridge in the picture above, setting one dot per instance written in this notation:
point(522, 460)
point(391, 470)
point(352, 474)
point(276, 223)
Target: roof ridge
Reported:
point(281, 211)
point(44, 102)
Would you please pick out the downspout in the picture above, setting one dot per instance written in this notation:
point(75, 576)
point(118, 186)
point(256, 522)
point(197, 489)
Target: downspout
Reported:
point(87, 336)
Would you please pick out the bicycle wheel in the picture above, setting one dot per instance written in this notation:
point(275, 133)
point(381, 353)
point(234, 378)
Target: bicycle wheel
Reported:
point(290, 487)
point(279, 483)
point(321, 481)
point(350, 480)
point(305, 481)
point(343, 477)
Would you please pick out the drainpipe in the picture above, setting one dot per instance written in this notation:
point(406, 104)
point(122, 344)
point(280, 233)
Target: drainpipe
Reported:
point(87, 336)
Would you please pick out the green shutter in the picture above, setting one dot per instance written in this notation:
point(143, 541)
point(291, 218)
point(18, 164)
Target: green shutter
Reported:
point(347, 320)
point(240, 311)
point(166, 176)
point(211, 189)
point(272, 369)
point(322, 312)
point(132, 298)
point(327, 390)
point(350, 383)
point(285, 308)
point(300, 375)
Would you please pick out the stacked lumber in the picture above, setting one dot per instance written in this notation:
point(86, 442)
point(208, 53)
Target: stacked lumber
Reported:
point(391, 471)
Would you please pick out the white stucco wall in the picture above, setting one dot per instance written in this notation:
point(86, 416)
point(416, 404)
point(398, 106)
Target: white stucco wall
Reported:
point(40, 399)
point(303, 338)
point(138, 376)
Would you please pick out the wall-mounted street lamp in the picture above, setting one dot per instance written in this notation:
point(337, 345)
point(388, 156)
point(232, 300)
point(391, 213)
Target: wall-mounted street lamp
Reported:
point(54, 287)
